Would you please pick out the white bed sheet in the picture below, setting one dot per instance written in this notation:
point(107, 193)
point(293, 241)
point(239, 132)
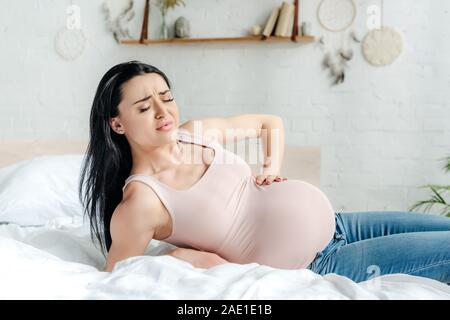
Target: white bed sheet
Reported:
point(58, 261)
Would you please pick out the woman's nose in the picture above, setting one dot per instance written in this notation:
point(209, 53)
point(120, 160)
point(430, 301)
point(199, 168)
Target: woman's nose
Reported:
point(159, 107)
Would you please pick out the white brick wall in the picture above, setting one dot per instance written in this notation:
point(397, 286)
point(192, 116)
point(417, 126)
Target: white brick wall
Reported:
point(381, 132)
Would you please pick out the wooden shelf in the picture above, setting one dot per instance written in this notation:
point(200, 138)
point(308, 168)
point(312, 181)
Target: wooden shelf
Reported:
point(301, 39)
point(144, 40)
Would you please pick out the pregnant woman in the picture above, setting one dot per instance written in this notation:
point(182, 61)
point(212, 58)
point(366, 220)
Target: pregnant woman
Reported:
point(147, 177)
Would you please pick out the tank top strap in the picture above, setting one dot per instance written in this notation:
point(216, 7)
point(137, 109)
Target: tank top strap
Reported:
point(162, 194)
point(145, 179)
point(187, 136)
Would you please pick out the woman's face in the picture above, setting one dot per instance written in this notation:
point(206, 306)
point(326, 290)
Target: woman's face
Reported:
point(146, 103)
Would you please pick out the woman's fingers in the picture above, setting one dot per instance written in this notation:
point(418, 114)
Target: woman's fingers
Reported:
point(268, 179)
point(260, 179)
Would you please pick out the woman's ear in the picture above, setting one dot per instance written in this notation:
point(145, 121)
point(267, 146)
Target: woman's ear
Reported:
point(115, 125)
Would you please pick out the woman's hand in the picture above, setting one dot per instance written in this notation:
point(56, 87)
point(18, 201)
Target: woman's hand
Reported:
point(267, 179)
point(199, 259)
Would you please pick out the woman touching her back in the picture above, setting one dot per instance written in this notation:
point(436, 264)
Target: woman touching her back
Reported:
point(146, 176)
point(124, 221)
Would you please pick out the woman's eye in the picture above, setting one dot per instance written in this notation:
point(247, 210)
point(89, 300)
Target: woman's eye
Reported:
point(168, 97)
point(167, 100)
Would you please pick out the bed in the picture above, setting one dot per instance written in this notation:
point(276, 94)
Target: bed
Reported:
point(47, 252)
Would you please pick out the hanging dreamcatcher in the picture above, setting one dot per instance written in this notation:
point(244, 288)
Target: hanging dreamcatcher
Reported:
point(336, 18)
point(336, 15)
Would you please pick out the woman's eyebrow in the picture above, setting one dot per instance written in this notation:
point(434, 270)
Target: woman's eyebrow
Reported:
point(147, 98)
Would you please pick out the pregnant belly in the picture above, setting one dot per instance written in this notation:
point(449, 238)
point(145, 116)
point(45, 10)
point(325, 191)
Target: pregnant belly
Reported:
point(295, 221)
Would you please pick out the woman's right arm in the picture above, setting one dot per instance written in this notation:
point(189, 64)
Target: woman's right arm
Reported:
point(129, 237)
point(133, 224)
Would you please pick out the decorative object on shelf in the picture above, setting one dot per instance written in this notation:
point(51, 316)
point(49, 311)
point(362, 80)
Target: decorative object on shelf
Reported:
point(306, 29)
point(270, 24)
point(164, 6)
point(256, 30)
point(182, 28)
point(336, 15)
point(164, 31)
point(282, 20)
point(285, 20)
point(118, 25)
point(70, 40)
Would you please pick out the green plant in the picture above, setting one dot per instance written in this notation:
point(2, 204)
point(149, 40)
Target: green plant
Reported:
point(438, 198)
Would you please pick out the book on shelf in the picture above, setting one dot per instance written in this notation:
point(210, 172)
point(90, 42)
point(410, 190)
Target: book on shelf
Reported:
point(271, 22)
point(290, 24)
point(286, 20)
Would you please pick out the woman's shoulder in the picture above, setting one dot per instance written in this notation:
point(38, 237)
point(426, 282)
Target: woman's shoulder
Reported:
point(139, 202)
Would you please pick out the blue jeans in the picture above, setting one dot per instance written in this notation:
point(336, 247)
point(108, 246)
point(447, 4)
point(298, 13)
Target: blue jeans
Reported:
point(369, 244)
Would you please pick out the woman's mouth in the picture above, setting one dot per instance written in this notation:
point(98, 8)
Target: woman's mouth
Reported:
point(166, 127)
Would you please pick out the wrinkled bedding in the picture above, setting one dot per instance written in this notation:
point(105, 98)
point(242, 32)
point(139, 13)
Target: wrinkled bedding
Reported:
point(58, 261)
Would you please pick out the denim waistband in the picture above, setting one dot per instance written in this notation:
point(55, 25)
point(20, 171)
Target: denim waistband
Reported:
point(339, 239)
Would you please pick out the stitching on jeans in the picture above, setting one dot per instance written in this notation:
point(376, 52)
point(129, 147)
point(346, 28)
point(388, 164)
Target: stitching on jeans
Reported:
point(428, 266)
point(343, 231)
point(321, 263)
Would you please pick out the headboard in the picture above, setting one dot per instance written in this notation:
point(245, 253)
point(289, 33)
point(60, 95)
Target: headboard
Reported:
point(300, 162)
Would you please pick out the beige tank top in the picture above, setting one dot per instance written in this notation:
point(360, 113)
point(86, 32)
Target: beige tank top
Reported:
point(282, 225)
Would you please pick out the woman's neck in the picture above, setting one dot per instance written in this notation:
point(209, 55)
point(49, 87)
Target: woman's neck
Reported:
point(160, 159)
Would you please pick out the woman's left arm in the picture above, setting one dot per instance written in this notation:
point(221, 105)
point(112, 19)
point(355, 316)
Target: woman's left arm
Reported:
point(268, 127)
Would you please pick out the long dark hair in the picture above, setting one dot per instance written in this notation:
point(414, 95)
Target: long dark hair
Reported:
point(108, 161)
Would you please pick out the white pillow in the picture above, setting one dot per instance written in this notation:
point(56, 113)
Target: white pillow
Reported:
point(41, 190)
